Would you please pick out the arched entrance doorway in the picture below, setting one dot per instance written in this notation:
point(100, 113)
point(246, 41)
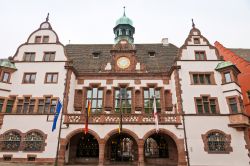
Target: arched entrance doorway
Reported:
point(83, 149)
point(160, 149)
point(121, 149)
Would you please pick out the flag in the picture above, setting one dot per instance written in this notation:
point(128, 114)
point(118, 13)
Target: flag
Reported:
point(86, 129)
point(58, 109)
point(120, 124)
point(155, 116)
point(89, 107)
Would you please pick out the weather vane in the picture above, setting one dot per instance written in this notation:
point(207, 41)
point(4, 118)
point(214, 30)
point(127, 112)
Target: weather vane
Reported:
point(47, 18)
point(193, 25)
point(124, 14)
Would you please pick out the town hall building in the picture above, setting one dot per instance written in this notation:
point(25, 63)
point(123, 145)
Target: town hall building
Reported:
point(201, 117)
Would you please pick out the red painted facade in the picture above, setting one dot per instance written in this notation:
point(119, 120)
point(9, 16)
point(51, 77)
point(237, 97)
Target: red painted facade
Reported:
point(243, 66)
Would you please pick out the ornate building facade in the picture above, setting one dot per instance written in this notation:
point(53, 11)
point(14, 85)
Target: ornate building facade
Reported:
point(201, 117)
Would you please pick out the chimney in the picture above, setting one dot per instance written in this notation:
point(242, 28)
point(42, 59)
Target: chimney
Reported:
point(164, 41)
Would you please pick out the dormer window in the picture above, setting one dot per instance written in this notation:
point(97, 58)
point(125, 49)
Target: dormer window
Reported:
point(200, 55)
point(196, 41)
point(45, 39)
point(38, 39)
point(151, 53)
point(96, 54)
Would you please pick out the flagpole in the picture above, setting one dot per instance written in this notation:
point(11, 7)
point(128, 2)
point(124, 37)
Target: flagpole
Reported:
point(59, 137)
point(120, 124)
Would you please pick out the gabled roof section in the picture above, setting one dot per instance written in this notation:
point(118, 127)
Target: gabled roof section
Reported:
point(195, 33)
point(243, 53)
point(83, 61)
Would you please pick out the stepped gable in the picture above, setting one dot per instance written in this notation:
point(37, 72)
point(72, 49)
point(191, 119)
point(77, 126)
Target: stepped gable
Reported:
point(84, 61)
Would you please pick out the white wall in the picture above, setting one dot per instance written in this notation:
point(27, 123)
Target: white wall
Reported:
point(25, 123)
point(39, 88)
point(196, 126)
point(39, 49)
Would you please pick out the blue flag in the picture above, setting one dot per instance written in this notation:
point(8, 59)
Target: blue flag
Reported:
point(58, 109)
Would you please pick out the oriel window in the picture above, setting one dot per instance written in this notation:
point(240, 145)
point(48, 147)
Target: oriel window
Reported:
point(123, 98)
point(227, 76)
point(233, 105)
point(95, 95)
point(6, 77)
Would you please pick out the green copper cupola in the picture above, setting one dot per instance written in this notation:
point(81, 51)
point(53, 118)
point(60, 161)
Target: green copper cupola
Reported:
point(124, 29)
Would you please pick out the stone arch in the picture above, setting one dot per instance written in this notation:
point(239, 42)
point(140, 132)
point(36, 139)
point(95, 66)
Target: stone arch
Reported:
point(65, 141)
point(77, 131)
point(113, 136)
point(179, 143)
point(125, 131)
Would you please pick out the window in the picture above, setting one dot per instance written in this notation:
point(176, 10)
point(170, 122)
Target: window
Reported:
point(5, 77)
point(216, 141)
point(96, 54)
point(11, 141)
point(29, 56)
point(25, 105)
point(9, 106)
point(45, 39)
point(33, 141)
point(206, 105)
point(202, 78)
point(151, 54)
point(233, 105)
point(95, 95)
point(29, 78)
point(227, 77)
point(47, 105)
point(196, 41)
point(123, 98)
point(38, 39)
point(1, 105)
point(200, 55)
point(149, 99)
point(49, 56)
point(51, 77)
point(248, 95)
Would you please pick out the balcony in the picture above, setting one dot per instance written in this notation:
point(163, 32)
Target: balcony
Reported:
point(126, 119)
point(239, 121)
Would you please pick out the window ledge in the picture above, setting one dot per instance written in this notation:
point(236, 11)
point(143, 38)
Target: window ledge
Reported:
point(5, 82)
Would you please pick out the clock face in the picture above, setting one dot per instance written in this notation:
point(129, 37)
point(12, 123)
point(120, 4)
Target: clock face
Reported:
point(123, 62)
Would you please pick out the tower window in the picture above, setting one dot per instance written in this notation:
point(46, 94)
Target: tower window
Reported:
point(123, 32)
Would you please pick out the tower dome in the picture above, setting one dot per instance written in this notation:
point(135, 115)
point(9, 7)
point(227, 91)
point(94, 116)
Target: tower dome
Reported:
point(124, 20)
point(124, 29)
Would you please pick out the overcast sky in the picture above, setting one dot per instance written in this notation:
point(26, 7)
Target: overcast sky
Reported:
point(92, 21)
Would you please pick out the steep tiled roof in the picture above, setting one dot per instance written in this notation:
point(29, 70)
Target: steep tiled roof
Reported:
point(244, 53)
point(84, 62)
